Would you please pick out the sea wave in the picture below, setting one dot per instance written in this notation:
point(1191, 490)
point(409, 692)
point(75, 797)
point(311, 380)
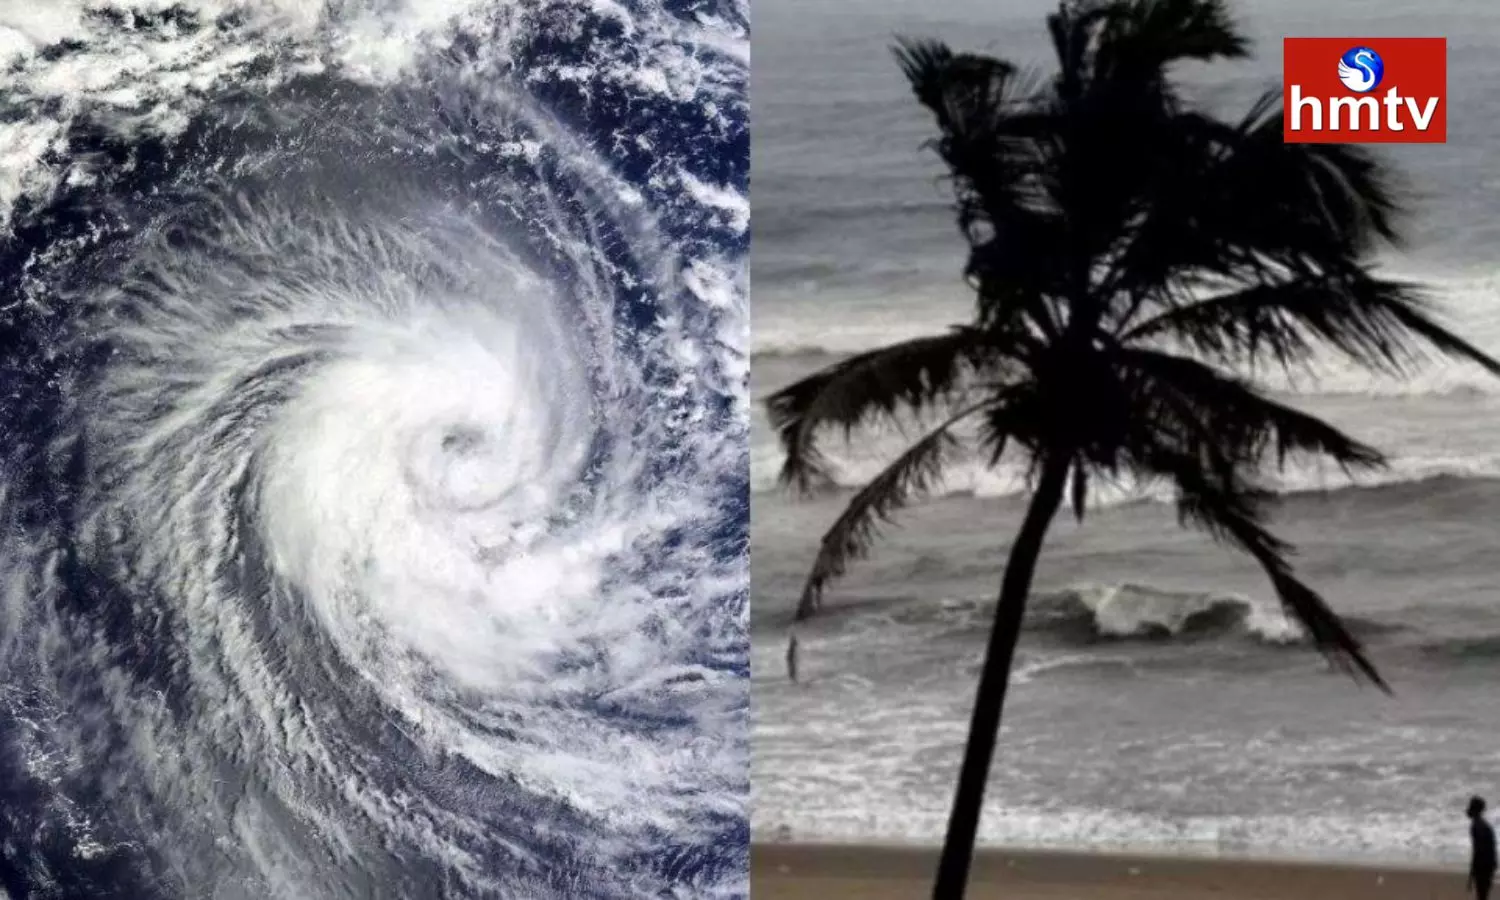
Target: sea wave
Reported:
point(1083, 614)
point(1476, 649)
point(975, 478)
point(1462, 300)
point(1125, 611)
point(375, 493)
point(1099, 613)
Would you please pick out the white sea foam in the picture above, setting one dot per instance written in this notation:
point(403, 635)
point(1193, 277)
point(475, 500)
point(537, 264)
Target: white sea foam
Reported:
point(854, 466)
point(1376, 839)
point(1125, 610)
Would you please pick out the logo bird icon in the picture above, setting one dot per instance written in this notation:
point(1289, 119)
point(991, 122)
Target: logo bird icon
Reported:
point(1361, 70)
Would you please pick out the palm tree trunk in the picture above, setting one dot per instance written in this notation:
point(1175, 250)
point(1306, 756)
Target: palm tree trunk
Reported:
point(984, 727)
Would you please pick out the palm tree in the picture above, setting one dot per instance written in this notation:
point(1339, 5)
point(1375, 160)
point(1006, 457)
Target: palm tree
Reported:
point(1136, 263)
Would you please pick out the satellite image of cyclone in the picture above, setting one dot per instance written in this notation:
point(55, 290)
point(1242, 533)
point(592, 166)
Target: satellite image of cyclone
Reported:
point(373, 469)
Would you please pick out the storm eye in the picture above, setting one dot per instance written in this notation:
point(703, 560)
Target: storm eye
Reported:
point(461, 440)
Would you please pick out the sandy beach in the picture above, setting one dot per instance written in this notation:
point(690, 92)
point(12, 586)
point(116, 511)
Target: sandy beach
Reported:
point(870, 872)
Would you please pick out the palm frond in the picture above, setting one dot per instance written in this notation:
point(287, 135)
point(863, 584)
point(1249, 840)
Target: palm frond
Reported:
point(1340, 189)
point(1103, 47)
point(911, 375)
point(1382, 325)
point(1234, 515)
point(1215, 415)
point(976, 99)
point(924, 62)
point(1146, 36)
point(935, 73)
point(1327, 199)
point(992, 123)
point(997, 433)
point(1073, 29)
point(1235, 201)
point(1080, 489)
point(910, 475)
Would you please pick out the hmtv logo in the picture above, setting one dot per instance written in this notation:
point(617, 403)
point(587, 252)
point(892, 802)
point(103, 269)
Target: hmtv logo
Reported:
point(1365, 91)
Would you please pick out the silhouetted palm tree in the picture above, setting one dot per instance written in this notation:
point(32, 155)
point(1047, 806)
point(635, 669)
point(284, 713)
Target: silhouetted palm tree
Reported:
point(1135, 261)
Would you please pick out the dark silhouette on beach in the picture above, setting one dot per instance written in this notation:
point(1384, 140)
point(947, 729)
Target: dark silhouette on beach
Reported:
point(1482, 866)
point(1133, 258)
point(791, 657)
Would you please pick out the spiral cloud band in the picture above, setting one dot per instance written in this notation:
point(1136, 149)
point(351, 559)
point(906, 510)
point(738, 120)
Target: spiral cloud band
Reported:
point(375, 510)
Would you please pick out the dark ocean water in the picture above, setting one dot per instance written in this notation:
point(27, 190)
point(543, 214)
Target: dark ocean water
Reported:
point(1162, 700)
point(372, 384)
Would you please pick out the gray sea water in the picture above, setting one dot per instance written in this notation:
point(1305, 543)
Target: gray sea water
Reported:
point(1161, 700)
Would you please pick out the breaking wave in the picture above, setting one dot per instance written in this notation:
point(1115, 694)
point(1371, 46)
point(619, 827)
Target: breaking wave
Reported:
point(1104, 612)
point(1092, 613)
point(375, 503)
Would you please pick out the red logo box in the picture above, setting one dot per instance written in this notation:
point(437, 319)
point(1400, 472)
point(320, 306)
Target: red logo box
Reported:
point(1409, 104)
